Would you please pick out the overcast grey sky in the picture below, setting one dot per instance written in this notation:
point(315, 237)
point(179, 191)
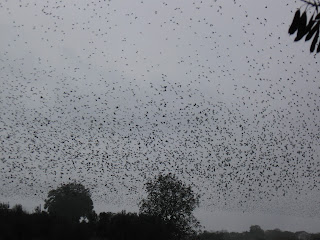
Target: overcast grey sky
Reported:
point(110, 93)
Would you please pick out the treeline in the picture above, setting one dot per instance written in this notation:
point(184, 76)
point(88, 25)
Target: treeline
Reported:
point(261, 235)
point(18, 224)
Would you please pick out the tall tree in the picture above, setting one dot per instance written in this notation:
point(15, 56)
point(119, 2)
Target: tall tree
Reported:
point(70, 200)
point(172, 201)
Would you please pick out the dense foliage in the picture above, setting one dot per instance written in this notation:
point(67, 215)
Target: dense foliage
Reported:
point(70, 200)
point(173, 202)
point(108, 226)
point(307, 28)
point(275, 234)
point(18, 224)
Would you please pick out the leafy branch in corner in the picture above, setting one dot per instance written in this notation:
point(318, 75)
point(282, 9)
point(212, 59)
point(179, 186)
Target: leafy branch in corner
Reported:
point(307, 28)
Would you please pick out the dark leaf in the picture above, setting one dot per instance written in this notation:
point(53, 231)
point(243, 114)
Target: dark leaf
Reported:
point(303, 21)
point(310, 24)
point(314, 42)
point(294, 25)
point(318, 49)
point(302, 31)
point(313, 31)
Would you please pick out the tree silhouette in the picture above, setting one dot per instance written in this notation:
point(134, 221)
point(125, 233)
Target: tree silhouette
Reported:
point(18, 209)
point(18, 224)
point(173, 202)
point(307, 28)
point(257, 232)
point(71, 201)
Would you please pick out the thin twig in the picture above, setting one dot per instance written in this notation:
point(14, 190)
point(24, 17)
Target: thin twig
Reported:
point(314, 4)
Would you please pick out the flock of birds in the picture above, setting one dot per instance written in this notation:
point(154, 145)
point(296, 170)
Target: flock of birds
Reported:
point(110, 93)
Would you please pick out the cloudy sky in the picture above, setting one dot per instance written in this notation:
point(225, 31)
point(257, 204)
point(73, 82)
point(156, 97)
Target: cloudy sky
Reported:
point(110, 93)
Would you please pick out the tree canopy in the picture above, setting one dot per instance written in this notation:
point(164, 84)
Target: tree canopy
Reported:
point(70, 200)
point(173, 202)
